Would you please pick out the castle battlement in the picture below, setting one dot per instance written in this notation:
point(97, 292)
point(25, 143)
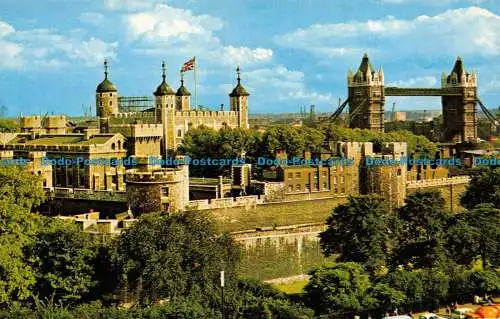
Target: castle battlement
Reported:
point(145, 130)
point(125, 115)
point(165, 175)
point(205, 114)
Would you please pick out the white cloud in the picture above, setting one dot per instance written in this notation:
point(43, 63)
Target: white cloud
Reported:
point(424, 81)
point(281, 84)
point(92, 18)
point(10, 55)
point(128, 4)
point(244, 55)
point(5, 29)
point(165, 22)
point(49, 48)
point(165, 30)
point(467, 31)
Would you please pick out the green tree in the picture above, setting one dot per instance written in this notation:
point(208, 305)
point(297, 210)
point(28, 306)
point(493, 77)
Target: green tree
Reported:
point(359, 231)
point(168, 256)
point(484, 187)
point(20, 192)
point(410, 284)
point(338, 289)
point(63, 258)
point(474, 282)
point(255, 299)
point(385, 298)
point(421, 231)
point(475, 233)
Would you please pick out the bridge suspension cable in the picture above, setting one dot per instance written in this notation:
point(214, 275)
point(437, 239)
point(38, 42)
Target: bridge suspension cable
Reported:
point(488, 114)
point(338, 111)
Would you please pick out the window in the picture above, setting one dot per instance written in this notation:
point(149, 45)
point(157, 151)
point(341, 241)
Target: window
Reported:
point(110, 102)
point(165, 206)
point(179, 133)
point(323, 174)
point(297, 187)
point(316, 187)
point(110, 94)
point(164, 191)
point(113, 146)
point(334, 180)
point(290, 188)
point(399, 172)
point(290, 175)
point(297, 175)
point(308, 188)
point(324, 185)
point(342, 180)
point(100, 103)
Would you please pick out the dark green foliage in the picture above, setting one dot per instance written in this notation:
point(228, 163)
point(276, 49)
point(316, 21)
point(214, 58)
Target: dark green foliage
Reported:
point(474, 282)
point(19, 194)
point(421, 231)
point(255, 299)
point(475, 233)
point(410, 284)
point(484, 187)
point(166, 256)
point(360, 232)
point(62, 258)
point(339, 288)
point(7, 125)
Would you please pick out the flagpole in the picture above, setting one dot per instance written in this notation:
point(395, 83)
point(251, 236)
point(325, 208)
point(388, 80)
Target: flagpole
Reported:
point(195, 85)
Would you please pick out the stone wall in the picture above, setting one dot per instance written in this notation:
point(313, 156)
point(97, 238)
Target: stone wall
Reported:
point(450, 188)
point(247, 217)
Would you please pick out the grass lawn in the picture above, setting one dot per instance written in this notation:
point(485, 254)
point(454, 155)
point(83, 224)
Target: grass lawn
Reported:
point(295, 287)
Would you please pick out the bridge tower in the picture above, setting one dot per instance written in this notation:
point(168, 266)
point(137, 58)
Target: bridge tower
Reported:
point(459, 112)
point(366, 97)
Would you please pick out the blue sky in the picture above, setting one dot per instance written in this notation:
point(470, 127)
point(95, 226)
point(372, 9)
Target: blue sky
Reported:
point(291, 52)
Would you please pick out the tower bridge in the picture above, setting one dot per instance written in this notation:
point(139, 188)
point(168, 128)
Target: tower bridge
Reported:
point(458, 92)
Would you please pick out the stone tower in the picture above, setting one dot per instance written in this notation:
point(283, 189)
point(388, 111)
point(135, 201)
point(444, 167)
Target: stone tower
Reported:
point(384, 172)
point(238, 100)
point(106, 101)
point(106, 96)
point(366, 97)
point(165, 111)
point(182, 97)
point(459, 112)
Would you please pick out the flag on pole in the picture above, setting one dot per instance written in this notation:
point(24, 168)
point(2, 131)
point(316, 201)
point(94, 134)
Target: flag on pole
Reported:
point(188, 66)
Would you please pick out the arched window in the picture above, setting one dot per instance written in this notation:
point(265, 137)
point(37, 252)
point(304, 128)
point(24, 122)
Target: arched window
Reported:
point(179, 133)
point(113, 146)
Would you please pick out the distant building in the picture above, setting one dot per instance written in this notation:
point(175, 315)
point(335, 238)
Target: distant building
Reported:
point(400, 116)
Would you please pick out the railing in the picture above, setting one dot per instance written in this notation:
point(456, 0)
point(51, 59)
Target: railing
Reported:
point(438, 182)
point(87, 194)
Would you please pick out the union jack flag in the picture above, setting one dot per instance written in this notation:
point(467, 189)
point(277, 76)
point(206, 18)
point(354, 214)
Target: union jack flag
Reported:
point(188, 66)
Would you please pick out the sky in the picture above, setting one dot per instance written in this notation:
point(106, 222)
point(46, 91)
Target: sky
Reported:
point(291, 53)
